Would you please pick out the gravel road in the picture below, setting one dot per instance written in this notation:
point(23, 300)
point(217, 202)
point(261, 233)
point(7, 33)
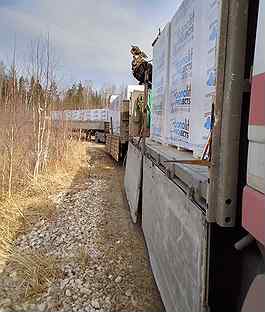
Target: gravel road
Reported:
point(101, 259)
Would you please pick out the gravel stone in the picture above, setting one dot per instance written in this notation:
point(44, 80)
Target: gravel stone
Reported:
point(41, 307)
point(118, 279)
point(68, 293)
point(128, 293)
point(95, 304)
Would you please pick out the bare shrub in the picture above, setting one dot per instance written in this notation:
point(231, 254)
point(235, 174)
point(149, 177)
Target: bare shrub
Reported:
point(36, 160)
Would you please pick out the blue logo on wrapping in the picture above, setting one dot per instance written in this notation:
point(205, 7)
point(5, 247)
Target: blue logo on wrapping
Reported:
point(214, 34)
point(211, 82)
point(208, 123)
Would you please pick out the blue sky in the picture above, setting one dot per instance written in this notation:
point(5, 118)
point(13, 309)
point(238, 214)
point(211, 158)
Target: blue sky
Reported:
point(91, 38)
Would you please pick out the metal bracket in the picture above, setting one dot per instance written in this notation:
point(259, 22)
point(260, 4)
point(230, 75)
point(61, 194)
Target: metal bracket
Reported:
point(195, 162)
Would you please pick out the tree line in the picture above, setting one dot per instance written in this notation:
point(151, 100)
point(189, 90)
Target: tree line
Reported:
point(30, 144)
point(28, 90)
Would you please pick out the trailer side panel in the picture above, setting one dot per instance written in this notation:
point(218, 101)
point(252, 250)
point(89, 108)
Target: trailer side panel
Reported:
point(176, 234)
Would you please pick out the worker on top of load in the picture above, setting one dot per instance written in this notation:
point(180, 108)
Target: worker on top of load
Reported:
point(140, 65)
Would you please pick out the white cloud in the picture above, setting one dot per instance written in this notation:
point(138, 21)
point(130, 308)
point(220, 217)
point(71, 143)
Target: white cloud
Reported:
point(91, 37)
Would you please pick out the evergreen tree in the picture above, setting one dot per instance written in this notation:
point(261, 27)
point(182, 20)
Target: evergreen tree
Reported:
point(79, 96)
point(22, 91)
point(2, 83)
point(31, 94)
point(53, 96)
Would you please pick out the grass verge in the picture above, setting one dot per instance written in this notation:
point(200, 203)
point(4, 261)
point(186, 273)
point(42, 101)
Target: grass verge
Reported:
point(34, 269)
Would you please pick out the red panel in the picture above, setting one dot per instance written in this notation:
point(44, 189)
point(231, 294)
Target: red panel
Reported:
point(257, 108)
point(253, 214)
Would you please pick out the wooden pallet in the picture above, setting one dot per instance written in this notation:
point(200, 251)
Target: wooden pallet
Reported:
point(108, 143)
point(115, 143)
point(113, 146)
point(107, 127)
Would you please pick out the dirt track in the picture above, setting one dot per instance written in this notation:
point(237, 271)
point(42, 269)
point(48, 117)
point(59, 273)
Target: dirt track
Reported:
point(102, 258)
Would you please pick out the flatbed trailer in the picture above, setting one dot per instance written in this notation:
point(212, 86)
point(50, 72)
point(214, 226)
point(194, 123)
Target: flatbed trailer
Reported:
point(205, 240)
point(91, 122)
point(98, 129)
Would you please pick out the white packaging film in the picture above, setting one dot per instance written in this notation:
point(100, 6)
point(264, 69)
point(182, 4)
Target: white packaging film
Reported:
point(206, 35)
point(160, 85)
point(190, 91)
point(178, 106)
point(114, 114)
point(81, 115)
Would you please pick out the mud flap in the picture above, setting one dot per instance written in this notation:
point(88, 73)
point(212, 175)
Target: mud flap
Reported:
point(255, 301)
point(133, 179)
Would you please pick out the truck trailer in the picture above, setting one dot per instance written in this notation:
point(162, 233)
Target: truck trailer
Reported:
point(91, 122)
point(203, 218)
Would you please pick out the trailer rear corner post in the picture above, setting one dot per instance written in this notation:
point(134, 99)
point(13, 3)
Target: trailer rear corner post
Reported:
point(222, 197)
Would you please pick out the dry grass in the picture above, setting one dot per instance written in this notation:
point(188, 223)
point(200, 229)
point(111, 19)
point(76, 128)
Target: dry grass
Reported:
point(35, 271)
point(19, 213)
point(83, 258)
